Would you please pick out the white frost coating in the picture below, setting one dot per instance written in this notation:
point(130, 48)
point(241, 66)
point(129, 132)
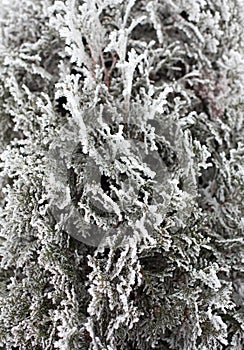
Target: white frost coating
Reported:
point(209, 276)
point(116, 232)
point(152, 9)
point(158, 105)
point(69, 89)
point(128, 68)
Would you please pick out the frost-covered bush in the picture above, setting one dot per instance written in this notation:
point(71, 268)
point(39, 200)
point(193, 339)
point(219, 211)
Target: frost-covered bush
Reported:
point(121, 127)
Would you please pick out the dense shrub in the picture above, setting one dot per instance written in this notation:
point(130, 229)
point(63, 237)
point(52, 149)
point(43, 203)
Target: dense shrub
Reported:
point(121, 128)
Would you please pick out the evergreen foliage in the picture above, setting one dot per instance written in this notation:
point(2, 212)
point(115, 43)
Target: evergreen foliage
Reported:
point(121, 174)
